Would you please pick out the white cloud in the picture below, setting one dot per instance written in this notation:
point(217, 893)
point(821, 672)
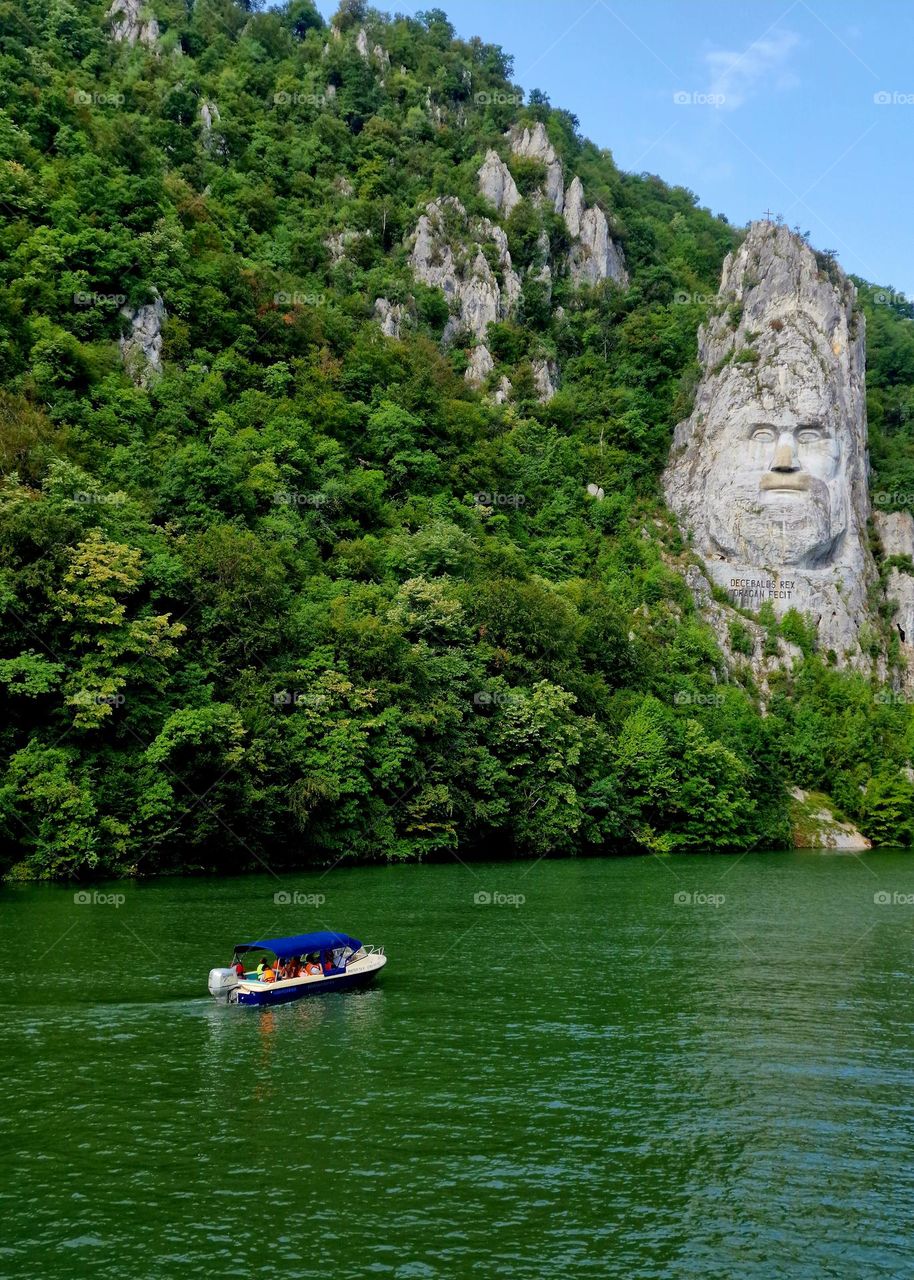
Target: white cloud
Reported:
point(761, 68)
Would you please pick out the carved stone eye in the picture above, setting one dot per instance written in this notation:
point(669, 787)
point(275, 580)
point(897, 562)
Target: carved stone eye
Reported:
point(763, 435)
point(808, 435)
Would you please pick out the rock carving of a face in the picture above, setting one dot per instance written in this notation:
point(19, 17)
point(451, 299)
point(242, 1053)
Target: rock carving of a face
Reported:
point(777, 490)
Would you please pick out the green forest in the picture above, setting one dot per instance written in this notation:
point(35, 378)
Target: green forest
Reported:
point(309, 596)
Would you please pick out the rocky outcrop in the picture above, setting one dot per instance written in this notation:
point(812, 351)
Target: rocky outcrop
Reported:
point(133, 22)
point(502, 390)
point(480, 366)
point(594, 254)
point(209, 117)
point(447, 254)
point(364, 50)
point(896, 533)
point(535, 145)
point(496, 183)
point(341, 242)
point(545, 378)
point(141, 345)
point(815, 825)
point(391, 315)
point(768, 476)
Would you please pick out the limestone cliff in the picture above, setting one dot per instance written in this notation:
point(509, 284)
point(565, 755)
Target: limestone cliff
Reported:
point(141, 345)
point(535, 145)
point(448, 253)
point(132, 22)
point(768, 476)
point(896, 535)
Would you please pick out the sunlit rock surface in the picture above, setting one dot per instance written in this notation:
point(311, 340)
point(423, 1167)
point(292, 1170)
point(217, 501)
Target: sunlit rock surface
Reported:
point(447, 253)
point(391, 316)
point(594, 254)
point(535, 145)
point(896, 534)
point(133, 22)
point(545, 378)
point(768, 476)
point(480, 366)
point(496, 183)
point(141, 345)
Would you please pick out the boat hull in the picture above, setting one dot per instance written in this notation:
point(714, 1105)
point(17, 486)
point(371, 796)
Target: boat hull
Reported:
point(270, 993)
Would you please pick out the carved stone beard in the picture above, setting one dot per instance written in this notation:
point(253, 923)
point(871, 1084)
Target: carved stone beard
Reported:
point(803, 530)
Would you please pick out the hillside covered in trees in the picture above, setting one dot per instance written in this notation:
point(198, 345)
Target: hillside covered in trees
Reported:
point(309, 592)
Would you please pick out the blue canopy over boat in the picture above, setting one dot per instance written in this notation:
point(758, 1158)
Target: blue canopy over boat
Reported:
point(300, 943)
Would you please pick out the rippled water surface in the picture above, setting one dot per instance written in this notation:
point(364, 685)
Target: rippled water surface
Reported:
point(599, 1081)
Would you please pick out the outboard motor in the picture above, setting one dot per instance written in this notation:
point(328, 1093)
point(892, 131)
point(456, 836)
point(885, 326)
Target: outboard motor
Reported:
point(222, 982)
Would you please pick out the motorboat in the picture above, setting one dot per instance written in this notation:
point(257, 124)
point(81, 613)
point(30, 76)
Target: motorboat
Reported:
point(276, 970)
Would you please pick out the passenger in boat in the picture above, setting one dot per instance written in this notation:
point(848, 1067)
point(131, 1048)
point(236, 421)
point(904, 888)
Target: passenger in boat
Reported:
point(312, 968)
point(260, 968)
point(239, 969)
point(268, 975)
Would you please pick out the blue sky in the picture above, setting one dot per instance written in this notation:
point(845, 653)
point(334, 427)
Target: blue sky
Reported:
point(780, 106)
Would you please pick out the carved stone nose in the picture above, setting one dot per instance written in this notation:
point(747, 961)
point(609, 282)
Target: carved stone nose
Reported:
point(785, 453)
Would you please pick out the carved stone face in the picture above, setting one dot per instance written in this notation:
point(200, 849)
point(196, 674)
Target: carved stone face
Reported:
point(778, 487)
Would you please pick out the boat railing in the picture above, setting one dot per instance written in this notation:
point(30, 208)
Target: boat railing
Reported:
point(372, 950)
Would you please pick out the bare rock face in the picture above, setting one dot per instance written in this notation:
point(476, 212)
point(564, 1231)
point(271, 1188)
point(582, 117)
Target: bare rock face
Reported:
point(496, 183)
point(341, 242)
point(896, 533)
point(769, 474)
point(132, 22)
point(391, 316)
point(480, 366)
point(594, 255)
point(535, 145)
point(141, 346)
point(209, 117)
point(817, 826)
point(545, 376)
point(447, 254)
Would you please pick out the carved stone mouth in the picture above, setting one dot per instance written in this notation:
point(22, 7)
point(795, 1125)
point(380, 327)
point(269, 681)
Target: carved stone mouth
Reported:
point(784, 481)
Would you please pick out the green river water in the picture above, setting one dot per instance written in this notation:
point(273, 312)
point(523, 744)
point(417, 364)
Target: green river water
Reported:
point(600, 1080)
